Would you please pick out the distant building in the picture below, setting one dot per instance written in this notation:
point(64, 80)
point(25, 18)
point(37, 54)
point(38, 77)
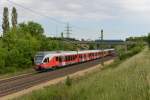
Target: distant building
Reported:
point(110, 41)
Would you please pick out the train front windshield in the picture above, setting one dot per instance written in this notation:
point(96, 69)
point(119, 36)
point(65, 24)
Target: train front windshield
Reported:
point(38, 59)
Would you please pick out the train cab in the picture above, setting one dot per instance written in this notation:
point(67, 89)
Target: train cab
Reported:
point(43, 59)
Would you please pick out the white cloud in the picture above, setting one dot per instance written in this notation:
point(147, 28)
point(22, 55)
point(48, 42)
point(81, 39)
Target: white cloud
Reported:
point(79, 10)
point(65, 9)
point(136, 5)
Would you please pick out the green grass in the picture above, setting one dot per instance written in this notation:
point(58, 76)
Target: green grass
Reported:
point(129, 80)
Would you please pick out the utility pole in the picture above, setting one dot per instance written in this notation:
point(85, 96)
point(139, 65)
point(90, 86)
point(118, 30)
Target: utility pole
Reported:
point(68, 30)
point(126, 46)
point(56, 30)
point(62, 39)
point(102, 59)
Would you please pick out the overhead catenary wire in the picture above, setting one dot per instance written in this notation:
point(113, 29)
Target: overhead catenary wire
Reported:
point(37, 13)
point(48, 17)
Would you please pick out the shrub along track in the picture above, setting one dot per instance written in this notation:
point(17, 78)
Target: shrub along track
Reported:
point(16, 84)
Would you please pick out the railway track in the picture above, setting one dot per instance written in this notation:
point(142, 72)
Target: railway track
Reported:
point(16, 77)
point(16, 84)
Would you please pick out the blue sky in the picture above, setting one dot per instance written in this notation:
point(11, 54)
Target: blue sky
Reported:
point(118, 18)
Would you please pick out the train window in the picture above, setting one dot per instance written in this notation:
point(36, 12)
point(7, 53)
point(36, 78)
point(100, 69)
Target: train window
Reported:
point(80, 56)
point(67, 58)
point(71, 57)
point(57, 59)
point(60, 59)
point(46, 60)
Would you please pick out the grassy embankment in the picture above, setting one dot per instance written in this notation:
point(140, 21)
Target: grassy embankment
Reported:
point(129, 80)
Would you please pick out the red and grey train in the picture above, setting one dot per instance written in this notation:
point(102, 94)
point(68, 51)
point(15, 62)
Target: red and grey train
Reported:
point(47, 60)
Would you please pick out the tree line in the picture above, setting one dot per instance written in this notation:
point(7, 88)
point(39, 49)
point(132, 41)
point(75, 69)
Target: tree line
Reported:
point(145, 39)
point(20, 42)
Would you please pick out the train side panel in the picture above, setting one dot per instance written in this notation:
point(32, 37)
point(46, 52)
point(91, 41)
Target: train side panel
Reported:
point(59, 61)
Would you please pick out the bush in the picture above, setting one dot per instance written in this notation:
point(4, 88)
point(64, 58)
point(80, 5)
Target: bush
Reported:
point(68, 81)
point(123, 55)
point(148, 40)
point(2, 57)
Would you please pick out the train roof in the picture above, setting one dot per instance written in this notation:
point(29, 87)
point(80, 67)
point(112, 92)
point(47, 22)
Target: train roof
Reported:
point(61, 53)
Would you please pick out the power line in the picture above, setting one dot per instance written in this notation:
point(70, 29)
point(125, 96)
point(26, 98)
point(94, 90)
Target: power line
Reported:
point(41, 14)
point(102, 37)
point(37, 13)
point(68, 30)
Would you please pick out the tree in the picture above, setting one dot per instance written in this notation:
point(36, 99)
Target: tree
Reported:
point(32, 28)
point(3, 53)
point(14, 17)
point(148, 39)
point(35, 29)
point(5, 25)
point(91, 46)
point(20, 49)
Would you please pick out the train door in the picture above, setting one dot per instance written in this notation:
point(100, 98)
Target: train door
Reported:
point(61, 61)
point(81, 58)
